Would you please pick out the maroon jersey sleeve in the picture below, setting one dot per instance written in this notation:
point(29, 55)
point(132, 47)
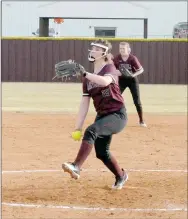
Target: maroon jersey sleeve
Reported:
point(111, 71)
point(136, 64)
point(84, 87)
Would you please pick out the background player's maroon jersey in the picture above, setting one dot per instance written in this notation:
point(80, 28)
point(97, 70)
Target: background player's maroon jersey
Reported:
point(132, 63)
point(105, 99)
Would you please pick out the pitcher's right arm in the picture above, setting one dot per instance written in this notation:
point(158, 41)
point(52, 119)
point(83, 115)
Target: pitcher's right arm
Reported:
point(84, 106)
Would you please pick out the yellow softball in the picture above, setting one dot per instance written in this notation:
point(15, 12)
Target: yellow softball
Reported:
point(76, 135)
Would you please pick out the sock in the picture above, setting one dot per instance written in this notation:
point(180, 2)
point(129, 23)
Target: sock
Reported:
point(140, 113)
point(113, 166)
point(85, 150)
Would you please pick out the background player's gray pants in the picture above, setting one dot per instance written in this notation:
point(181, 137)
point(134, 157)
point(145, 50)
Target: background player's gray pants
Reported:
point(133, 85)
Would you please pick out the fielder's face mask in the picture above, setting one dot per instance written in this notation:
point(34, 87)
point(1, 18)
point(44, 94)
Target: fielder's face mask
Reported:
point(91, 58)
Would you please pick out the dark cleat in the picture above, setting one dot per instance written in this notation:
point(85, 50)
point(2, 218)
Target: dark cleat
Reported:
point(120, 181)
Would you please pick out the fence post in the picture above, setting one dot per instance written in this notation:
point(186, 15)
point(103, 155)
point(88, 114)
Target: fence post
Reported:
point(145, 28)
point(43, 27)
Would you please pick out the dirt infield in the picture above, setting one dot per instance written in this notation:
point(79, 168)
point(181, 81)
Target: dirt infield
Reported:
point(155, 157)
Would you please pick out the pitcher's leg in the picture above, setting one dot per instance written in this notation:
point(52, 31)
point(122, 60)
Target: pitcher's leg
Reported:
point(102, 149)
point(107, 125)
point(104, 126)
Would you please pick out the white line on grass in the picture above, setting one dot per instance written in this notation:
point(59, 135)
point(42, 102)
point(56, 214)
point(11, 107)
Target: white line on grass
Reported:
point(92, 209)
point(87, 170)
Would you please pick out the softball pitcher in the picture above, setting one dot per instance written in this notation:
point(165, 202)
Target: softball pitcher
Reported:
point(102, 86)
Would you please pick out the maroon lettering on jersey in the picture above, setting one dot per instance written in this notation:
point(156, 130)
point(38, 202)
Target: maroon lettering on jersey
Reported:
point(132, 63)
point(105, 99)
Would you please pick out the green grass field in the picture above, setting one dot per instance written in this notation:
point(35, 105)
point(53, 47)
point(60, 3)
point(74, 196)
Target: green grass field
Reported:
point(64, 97)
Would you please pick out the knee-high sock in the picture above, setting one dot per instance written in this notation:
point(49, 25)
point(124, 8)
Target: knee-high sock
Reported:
point(140, 112)
point(83, 153)
point(113, 166)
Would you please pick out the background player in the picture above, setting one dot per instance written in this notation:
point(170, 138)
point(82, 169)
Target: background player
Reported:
point(102, 86)
point(133, 65)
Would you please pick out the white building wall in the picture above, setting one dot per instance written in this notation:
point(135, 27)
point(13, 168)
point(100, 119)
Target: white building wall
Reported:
point(21, 18)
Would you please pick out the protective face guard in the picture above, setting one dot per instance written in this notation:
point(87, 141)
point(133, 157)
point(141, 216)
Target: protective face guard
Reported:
point(91, 58)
